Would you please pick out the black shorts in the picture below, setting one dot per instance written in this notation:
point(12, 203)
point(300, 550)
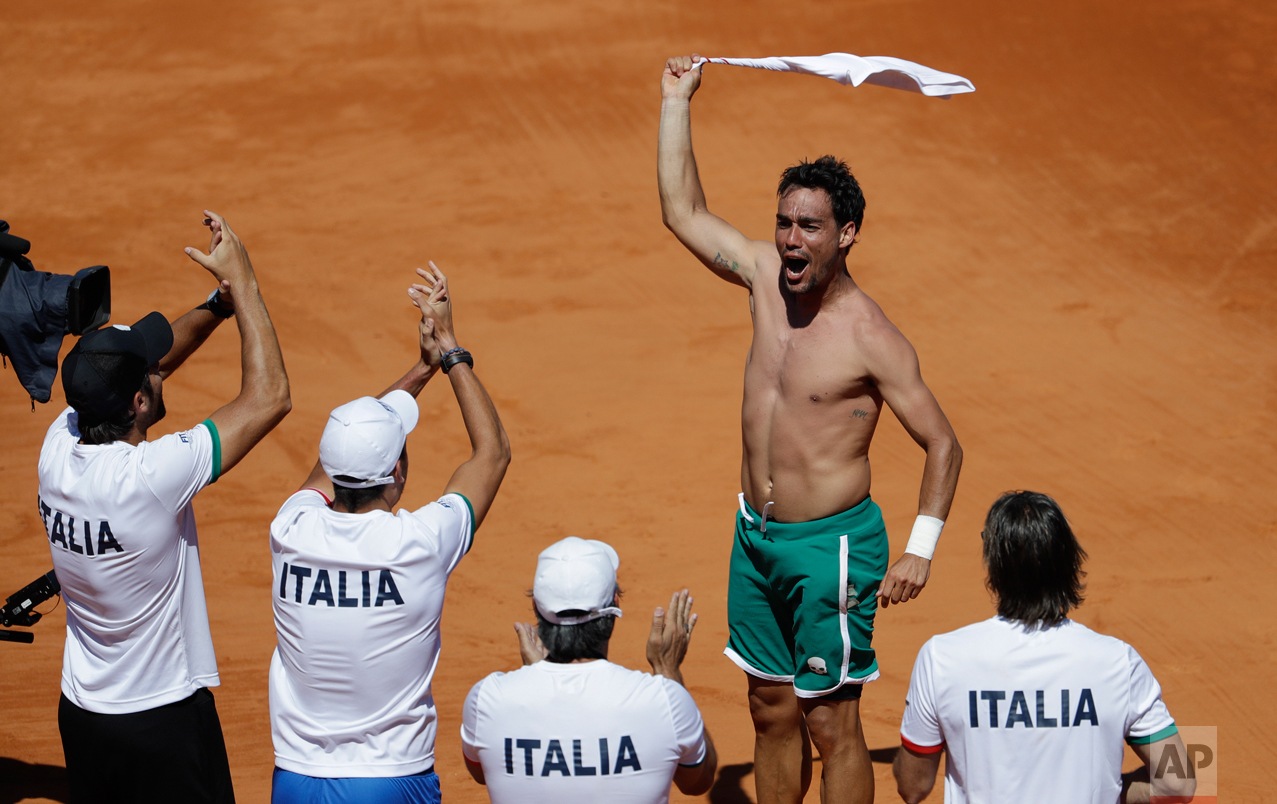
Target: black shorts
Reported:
point(171, 753)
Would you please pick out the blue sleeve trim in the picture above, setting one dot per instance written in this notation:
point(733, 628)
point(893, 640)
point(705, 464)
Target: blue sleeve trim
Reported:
point(1156, 736)
point(217, 451)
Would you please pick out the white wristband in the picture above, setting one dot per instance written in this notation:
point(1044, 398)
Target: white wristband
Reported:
point(926, 532)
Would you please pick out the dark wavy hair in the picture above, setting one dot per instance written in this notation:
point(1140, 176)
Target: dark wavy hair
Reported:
point(567, 643)
point(1034, 560)
point(354, 499)
point(834, 177)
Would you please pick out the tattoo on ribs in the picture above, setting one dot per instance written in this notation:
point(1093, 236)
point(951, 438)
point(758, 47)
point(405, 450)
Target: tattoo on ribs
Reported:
point(732, 266)
point(860, 414)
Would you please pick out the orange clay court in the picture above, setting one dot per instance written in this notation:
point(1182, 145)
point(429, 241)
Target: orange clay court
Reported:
point(1083, 252)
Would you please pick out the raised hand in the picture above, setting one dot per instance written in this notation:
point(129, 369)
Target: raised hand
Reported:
point(435, 304)
point(225, 297)
point(431, 354)
point(670, 636)
point(215, 232)
point(904, 580)
point(531, 650)
point(227, 259)
point(682, 77)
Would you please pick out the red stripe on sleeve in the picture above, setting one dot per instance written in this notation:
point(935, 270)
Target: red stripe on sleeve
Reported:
point(921, 749)
point(327, 501)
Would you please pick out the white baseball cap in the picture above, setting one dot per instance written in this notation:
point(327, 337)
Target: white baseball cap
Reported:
point(364, 439)
point(576, 575)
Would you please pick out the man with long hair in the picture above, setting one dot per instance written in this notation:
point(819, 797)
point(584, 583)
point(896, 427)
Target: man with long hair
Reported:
point(1030, 705)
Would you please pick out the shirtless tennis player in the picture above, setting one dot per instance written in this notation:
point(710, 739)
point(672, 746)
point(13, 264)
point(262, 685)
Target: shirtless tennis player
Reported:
point(809, 563)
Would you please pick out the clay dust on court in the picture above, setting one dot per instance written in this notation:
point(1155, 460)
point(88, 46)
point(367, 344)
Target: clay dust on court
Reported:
point(1082, 252)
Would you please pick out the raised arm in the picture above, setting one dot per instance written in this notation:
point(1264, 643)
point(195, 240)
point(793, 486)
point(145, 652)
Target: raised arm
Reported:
point(189, 333)
point(713, 240)
point(263, 399)
point(478, 478)
point(893, 365)
point(192, 329)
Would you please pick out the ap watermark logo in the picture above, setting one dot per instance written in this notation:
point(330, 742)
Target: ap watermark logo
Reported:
point(1176, 773)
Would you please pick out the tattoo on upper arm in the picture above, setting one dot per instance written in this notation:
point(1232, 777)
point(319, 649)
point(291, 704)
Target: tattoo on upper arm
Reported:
point(722, 261)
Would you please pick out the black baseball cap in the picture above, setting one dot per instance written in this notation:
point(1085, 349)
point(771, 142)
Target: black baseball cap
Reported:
point(106, 367)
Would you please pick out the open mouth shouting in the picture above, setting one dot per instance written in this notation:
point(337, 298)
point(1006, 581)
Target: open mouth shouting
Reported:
point(796, 267)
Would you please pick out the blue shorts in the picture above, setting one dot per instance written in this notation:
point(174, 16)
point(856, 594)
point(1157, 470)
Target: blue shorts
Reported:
point(294, 788)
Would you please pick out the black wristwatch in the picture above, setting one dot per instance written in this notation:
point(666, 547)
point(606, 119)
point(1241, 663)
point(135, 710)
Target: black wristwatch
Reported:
point(454, 356)
point(214, 305)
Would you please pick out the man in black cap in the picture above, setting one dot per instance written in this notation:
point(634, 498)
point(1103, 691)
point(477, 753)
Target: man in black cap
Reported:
point(137, 720)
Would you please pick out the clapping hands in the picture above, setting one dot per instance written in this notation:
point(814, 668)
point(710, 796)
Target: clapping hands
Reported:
point(531, 649)
point(432, 299)
point(671, 634)
point(227, 259)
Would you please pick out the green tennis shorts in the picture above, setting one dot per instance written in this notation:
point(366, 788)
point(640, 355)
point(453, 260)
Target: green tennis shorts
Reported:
point(802, 597)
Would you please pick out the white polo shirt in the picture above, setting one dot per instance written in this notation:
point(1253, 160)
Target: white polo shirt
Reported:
point(358, 599)
point(1031, 715)
point(122, 533)
point(591, 731)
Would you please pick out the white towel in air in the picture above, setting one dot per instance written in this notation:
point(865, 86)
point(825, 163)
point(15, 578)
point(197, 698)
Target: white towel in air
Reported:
point(845, 68)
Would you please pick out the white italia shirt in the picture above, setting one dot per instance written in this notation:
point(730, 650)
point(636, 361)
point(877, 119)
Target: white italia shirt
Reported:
point(1031, 715)
point(590, 731)
point(122, 533)
point(358, 598)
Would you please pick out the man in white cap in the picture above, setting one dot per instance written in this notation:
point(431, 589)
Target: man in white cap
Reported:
point(570, 726)
point(359, 590)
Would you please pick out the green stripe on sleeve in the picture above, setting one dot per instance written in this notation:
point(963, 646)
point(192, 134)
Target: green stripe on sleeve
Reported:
point(1155, 736)
point(217, 451)
point(471, 509)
